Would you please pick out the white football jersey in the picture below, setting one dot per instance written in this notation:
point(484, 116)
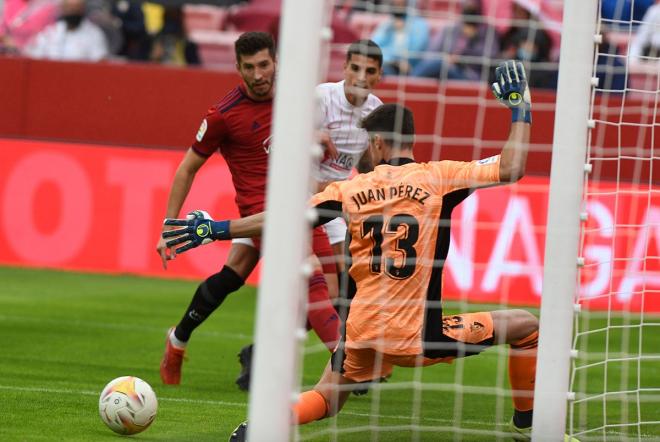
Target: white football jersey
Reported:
point(340, 119)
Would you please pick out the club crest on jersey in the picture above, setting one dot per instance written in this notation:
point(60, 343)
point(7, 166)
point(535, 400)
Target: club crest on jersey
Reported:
point(267, 143)
point(201, 131)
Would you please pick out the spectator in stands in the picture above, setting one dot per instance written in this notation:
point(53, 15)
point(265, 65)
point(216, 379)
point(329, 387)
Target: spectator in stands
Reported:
point(357, 5)
point(170, 44)
point(402, 38)
point(526, 40)
point(100, 12)
point(622, 11)
point(72, 37)
point(21, 20)
point(646, 42)
point(459, 51)
point(137, 43)
point(610, 70)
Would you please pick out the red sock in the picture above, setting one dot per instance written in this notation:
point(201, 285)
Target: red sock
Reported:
point(311, 407)
point(522, 371)
point(321, 315)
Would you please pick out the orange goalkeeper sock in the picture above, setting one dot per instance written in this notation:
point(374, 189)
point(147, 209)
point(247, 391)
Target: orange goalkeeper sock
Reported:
point(522, 371)
point(311, 407)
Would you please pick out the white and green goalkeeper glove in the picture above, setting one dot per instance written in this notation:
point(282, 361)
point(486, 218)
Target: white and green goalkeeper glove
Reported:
point(511, 89)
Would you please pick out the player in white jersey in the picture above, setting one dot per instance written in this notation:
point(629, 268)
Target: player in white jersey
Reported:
point(342, 106)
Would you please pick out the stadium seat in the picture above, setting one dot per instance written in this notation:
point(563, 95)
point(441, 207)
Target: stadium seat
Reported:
point(643, 78)
point(216, 48)
point(436, 24)
point(620, 39)
point(449, 6)
point(364, 23)
point(203, 17)
point(336, 62)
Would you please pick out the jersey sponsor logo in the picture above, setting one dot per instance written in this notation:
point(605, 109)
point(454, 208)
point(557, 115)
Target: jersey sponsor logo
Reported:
point(334, 125)
point(267, 143)
point(489, 160)
point(202, 131)
point(343, 162)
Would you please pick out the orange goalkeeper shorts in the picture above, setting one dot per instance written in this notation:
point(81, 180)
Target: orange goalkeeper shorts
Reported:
point(365, 364)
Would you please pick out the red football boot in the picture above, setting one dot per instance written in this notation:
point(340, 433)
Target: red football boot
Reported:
point(170, 366)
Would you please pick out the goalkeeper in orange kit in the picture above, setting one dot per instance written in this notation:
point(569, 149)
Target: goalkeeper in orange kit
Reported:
point(399, 218)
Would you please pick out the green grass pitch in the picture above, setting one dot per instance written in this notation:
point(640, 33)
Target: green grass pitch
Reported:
point(65, 335)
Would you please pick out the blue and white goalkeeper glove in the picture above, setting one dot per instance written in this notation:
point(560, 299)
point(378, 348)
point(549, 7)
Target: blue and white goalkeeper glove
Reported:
point(511, 89)
point(198, 229)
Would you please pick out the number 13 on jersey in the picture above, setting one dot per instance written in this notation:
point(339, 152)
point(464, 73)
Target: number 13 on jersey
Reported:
point(403, 229)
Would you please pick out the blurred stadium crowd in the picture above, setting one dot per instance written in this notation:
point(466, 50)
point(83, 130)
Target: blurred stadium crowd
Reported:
point(436, 39)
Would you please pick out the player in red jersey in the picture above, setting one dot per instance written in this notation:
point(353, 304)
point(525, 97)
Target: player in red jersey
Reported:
point(239, 126)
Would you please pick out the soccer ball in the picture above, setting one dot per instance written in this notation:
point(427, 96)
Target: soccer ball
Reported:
point(128, 405)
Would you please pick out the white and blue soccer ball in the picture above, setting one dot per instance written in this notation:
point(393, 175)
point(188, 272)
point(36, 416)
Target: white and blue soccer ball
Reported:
point(128, 405)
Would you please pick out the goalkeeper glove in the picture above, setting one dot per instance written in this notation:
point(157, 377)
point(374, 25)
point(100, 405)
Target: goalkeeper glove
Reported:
point(198, 229)
point(511, 89)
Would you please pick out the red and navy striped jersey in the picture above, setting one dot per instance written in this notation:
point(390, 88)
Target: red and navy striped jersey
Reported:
point(239, 128)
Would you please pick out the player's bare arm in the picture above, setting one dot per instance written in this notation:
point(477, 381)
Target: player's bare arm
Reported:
point(181, 184)
point(513, 158)
point(511, 89)
point(329, 148)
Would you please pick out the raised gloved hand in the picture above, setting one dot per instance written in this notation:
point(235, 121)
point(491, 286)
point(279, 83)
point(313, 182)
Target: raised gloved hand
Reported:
point(511, 89)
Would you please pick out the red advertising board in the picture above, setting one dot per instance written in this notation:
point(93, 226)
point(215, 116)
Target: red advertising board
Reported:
point(98, 208)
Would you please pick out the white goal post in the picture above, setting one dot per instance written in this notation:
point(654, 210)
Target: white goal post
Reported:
point(563, 227)
point(283, 279)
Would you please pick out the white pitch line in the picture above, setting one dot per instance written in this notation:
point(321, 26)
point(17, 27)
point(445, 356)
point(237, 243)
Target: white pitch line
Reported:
point(94, 393)
point(244, 405)
point(117, 326)
point(218, 403)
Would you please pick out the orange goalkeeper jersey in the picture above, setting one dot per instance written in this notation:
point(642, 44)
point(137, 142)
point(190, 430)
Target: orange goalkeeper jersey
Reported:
point(398, 220)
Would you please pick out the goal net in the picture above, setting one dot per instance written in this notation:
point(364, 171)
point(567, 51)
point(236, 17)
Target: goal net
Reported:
point(615, 380)
point(497, 240)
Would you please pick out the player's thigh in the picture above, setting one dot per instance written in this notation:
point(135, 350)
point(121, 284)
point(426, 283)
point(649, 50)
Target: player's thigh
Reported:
point(338, 251)
point(242, 258)
point(364, 365)
point(336, 230)
point(332, 281)
point(323, 251)
point(513, 325)
point(334, 388)
point(464, 334)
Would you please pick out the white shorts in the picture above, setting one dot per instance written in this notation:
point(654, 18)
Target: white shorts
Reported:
point(245, 241)
point(336, 230)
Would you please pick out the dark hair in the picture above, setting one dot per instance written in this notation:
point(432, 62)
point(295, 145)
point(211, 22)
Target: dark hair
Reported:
point(249, 43)
point(367, 48)
point(393, 122)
